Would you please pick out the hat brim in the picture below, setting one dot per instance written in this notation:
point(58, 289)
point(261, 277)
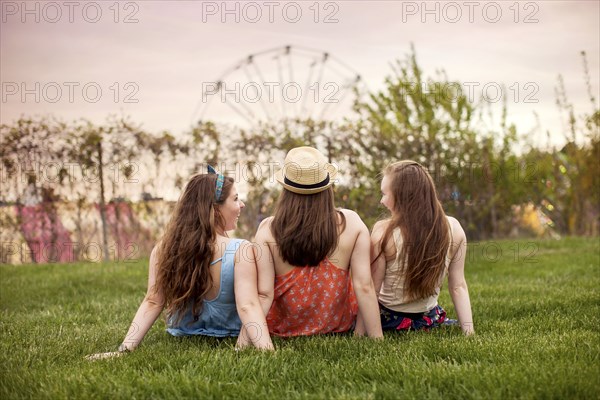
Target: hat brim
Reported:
point(331, 169)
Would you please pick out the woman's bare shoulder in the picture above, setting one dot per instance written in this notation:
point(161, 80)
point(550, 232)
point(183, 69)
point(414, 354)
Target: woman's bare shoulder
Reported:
point(353, 220)
point(264, 229)
point(381, 225)
point(348, 213)
point(265, 222)
point(458, 233)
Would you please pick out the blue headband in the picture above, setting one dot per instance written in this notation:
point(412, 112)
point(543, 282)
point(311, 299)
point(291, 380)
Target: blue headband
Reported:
point(219, 184)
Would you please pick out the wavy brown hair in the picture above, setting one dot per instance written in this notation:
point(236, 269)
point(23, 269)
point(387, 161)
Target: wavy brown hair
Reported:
point(423, 225)
point(189, 244)
point(305, 227)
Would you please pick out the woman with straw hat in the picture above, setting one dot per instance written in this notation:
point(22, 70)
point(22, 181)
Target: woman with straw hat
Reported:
point(317, 256)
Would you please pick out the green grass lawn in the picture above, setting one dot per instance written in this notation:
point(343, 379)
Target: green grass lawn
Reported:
point(536, 307)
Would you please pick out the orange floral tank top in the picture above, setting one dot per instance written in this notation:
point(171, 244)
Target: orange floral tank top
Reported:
point(313, 300)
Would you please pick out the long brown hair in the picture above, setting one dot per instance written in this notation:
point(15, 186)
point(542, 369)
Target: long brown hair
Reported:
point(305, 227)
point(423, 225)
point(189, 244)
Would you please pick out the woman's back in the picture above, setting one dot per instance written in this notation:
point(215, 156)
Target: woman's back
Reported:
point(219, 315)
point(317, 299)
point(392, 293)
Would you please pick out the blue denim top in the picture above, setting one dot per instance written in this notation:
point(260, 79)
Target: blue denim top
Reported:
point(219, 316)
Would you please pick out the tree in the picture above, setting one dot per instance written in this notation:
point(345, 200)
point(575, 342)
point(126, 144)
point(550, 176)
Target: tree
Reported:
point(113, 151)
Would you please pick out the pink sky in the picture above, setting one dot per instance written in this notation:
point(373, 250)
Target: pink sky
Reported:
point(174, 47)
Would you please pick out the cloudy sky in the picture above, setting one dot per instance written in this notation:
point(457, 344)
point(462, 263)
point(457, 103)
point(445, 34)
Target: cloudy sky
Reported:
point(152, 59)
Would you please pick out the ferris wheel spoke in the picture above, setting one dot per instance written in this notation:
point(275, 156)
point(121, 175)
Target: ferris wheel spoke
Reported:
point(280, 76)
point(320, 77)
point(262, 82)
point(250, 117)
point(307, 87)
point(347, 88)
point(291, 75)
point(250, 78)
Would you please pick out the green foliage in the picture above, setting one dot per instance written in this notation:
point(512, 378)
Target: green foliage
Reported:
point(536, 311)
point(433, 122)
point(480, 175)
point(567, 180)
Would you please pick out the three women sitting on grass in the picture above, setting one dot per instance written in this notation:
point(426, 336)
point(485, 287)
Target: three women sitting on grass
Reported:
point(310, 272)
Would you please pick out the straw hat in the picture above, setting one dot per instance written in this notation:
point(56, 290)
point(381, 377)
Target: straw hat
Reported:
point(306, 171)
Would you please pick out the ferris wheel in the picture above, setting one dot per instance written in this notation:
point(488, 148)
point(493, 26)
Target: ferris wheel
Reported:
point(284, 83)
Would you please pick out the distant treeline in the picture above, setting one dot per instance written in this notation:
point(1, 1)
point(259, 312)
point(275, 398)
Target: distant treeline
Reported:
point(482, 172)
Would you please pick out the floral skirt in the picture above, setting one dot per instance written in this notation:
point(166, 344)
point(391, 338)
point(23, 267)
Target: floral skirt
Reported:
point(396, 320)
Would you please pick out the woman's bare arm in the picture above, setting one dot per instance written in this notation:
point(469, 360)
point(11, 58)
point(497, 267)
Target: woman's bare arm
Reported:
point(457, 285)
point(360, 267)
point(254, 324)
point(146, 315)
point(265, 265)
point(378, 258)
